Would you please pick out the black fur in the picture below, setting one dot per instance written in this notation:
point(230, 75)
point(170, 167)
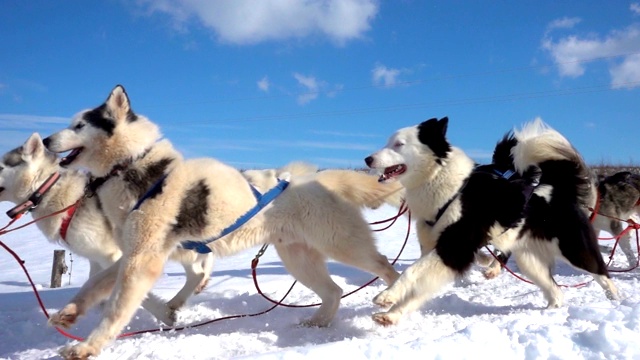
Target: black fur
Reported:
point(13, 158)
point(141, 181)
point(193, 210)
point(432, 133)
point(564, 218)
point(487, 198)
point(624, 193)
point(98, 119)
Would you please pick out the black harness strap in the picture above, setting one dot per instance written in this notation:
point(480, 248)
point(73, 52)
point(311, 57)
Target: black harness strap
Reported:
point(506, 175)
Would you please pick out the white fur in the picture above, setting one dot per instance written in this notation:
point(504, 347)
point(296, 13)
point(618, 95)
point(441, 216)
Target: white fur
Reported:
point(307, 223)
point(429, 185)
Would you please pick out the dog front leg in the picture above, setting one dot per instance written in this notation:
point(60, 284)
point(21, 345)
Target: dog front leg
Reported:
point(137, 275)
point(97, 288)
point(417, 284)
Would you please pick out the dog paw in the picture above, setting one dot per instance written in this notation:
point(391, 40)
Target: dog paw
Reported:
point(384, 299)
point(554, 305)
point(65, 317)
point(80, 351)
point(171, 317)
point(492, 272)
point(612, 295)
point(315, 322)
point(385, 319)
point(201, 287)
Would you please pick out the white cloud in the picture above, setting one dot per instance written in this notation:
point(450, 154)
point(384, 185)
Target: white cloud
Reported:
point(250, 21)
point(564, 23)
point(572, 53)
point(626, 74)
point(263, 84)
point(635, 8)
point(384, 76)
point(311, 86)
point(15, 121)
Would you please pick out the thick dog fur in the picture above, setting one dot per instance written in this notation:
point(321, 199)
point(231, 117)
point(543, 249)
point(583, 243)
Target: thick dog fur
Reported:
point(539, 217)
point(619, 196)
point(90, 233)
point(25, 168)
point(619, 199)
point(195, 200)
point(339, 181)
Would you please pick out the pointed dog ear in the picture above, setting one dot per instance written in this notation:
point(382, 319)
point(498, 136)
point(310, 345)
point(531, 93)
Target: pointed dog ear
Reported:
point(33, 145)
point(444, 123)
point(118, 104)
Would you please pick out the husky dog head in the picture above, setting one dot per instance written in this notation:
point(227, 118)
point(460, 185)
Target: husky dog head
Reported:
point(101, 138)
point(412, 151)
point(24, 169)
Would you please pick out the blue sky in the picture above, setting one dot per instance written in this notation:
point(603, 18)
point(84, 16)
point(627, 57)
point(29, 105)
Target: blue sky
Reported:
point(260, 83)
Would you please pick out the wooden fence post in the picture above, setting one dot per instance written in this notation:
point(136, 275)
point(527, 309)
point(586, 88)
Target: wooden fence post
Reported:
point(59, 268)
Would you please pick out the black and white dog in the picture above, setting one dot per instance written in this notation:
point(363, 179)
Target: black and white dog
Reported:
point(531, 201)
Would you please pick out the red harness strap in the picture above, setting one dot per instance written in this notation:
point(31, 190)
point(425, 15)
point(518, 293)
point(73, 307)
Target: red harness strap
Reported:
point(67, 220)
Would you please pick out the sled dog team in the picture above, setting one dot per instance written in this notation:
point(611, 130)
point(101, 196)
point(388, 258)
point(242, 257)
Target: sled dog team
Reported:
point(530, 202)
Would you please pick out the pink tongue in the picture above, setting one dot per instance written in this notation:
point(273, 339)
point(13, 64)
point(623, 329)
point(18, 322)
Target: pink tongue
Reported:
point(65, 160)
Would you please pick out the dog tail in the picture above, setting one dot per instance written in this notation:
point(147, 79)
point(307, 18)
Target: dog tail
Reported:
point(540, 145)
point(361, 189)
point(502, 157)
point(296, 169)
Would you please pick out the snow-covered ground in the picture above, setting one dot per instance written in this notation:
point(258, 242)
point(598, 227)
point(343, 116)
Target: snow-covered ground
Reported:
point(474, 318)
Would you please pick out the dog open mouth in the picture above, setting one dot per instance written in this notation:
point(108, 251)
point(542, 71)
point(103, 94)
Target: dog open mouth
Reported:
point(65, 161)
point(392, 172)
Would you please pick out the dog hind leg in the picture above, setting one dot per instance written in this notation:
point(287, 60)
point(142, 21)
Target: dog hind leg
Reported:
point(624, 242)
point(536, 264)
point(309, 267)
point(195, 275)
point(366, 257)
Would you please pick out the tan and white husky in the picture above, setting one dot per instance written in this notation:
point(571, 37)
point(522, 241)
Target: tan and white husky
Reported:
point(196, 200)
point(88, 231)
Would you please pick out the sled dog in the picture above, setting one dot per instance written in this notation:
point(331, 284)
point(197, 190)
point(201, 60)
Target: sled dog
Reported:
point(530, 201)
point(87, 231)
point(619, 199)
point(157, 200)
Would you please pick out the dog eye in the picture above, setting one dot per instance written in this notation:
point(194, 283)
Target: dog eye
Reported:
point(398, 144)
point(78, 126)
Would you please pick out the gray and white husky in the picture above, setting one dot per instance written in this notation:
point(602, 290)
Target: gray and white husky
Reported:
point(196, 200)
point(88, 232)
point(619, 199)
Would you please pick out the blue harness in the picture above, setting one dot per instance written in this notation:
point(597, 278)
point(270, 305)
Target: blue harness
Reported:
point(262, 201)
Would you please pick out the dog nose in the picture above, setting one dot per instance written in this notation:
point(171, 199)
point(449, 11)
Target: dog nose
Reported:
point(368, 160)
point(46, 142)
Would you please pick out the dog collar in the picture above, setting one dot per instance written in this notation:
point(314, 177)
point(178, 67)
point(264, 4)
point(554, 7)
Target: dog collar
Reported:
point(35, 198)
